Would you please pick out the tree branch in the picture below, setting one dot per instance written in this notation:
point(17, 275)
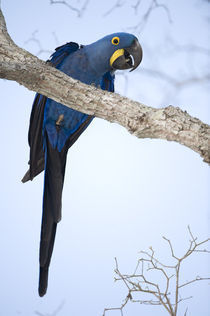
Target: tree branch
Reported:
point(40, 50)
point(117, 5)
point(54, 313)
point(170, 123)
point(79, 11)
point(144, 19)
point(165, 291)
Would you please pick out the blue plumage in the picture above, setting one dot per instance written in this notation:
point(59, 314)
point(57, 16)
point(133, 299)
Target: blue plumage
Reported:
point(61, 52)
point(54, 127)
point(78, 66)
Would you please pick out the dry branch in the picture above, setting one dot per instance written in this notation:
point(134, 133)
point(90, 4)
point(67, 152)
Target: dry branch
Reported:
point(54, 313)
point(40, 50)
point(170, 123)
point(79, 11)
point(153, 5)
point(167, 293)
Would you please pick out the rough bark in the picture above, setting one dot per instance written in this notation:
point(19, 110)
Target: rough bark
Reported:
point(170, 123)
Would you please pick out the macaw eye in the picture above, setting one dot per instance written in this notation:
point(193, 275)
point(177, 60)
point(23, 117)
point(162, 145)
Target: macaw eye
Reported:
point(115, 40)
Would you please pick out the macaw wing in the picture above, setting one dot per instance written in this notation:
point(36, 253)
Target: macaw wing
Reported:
point(35, 135)
point(35, 138)
point(61, 53)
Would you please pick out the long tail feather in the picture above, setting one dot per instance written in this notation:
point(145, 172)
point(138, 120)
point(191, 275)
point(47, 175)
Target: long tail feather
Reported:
point(55, 163)
point(44, 269)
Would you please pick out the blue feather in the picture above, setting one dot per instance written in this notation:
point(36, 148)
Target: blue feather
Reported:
point(62, 52)
point(54, 128)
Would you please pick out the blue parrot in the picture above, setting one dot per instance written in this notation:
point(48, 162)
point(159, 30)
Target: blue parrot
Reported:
point(54, 127)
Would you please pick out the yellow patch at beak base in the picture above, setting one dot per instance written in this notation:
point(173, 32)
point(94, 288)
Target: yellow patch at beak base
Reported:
point(116, 54)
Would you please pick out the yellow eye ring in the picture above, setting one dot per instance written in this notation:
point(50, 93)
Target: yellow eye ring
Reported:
point(115, 40)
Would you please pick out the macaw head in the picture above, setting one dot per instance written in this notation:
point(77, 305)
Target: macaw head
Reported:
point(127, 52)
point(116, 51)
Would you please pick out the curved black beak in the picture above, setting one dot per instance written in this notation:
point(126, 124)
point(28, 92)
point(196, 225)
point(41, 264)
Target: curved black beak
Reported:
point(136, 52)
point(130, 57)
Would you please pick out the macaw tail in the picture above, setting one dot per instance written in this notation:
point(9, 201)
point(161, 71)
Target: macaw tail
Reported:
point(44, 270)
point(55, 163)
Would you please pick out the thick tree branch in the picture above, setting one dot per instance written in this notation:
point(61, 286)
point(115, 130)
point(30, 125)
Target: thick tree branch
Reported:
point(170, 123)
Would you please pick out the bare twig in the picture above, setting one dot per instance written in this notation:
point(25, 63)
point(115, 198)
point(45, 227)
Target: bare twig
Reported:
point(79, 11)
point(117, 5)
point(175, 82)
point(41, 50)
point(186, 48)
point(192, 281)
point(128, 297)
point(154, 4)
point(55, 313)
point(136, 6)
point(167, 295)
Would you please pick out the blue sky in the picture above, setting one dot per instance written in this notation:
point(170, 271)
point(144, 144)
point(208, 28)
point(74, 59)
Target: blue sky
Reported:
point(121, 194)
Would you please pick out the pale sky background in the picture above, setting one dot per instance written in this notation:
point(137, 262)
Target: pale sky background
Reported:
point(121, 194)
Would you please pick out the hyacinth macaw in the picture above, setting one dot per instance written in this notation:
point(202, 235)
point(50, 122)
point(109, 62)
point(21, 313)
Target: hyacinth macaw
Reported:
point(54, 127)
